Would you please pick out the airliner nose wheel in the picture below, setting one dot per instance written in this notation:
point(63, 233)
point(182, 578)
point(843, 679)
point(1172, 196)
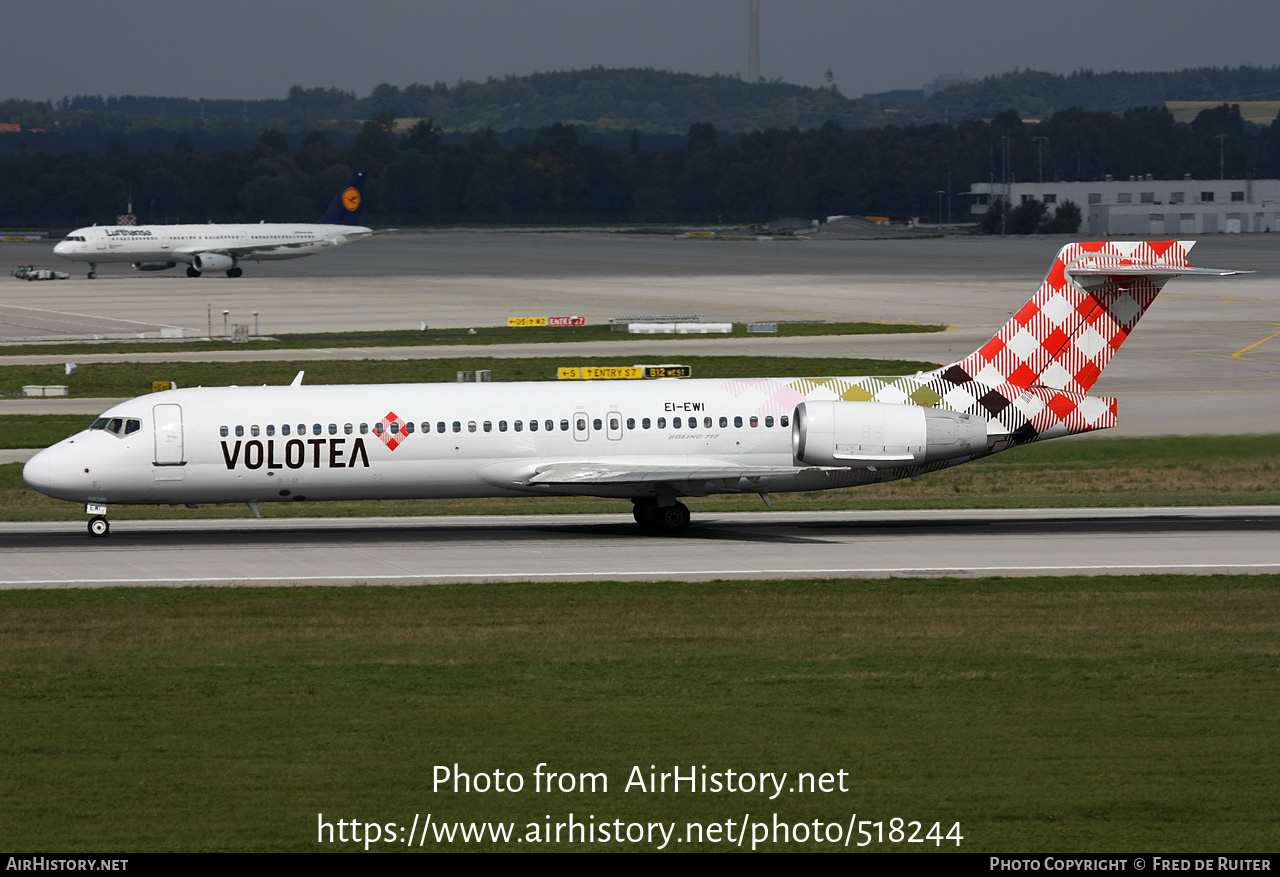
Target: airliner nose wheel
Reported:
point(93, 270)
point(192, 272)
point(98, 526)
point(663, 520)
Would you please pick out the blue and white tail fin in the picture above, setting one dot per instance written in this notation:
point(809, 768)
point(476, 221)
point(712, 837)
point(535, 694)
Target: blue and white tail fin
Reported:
point(345, 209)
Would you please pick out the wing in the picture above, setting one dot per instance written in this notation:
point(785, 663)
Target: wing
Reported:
point(615, 477)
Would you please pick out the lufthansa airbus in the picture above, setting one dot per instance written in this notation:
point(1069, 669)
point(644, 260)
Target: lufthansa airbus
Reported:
point(217, 247)
point(652, 443)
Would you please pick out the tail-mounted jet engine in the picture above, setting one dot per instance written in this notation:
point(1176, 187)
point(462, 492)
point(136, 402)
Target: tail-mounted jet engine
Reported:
point(865, 435)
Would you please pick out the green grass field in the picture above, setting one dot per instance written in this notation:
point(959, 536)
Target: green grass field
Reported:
point(1091, 471)
point(136, 378)
point(1063, 714)
point(433, 337)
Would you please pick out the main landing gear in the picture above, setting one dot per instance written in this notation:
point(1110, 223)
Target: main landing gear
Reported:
point(664, 520)
point(192, 271)
point(235, 272)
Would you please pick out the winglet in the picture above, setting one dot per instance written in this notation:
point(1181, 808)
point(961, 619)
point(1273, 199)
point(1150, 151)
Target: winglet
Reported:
point(297, 381)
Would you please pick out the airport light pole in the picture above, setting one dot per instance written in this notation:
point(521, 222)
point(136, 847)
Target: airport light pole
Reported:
point(226, 330)
point(1040, 142)
point(1222, 139)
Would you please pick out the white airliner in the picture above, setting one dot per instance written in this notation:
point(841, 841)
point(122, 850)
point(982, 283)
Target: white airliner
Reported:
point(216, 247)
point(652, 442)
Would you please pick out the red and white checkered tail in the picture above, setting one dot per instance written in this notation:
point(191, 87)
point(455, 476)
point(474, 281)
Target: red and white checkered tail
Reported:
point(1066, 334)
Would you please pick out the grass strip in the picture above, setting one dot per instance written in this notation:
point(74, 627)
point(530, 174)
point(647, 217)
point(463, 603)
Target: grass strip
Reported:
point(1116, 714)
point(434, 337)
point(135, 378)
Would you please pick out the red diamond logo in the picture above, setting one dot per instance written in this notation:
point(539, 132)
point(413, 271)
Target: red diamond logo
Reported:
point(391, 431)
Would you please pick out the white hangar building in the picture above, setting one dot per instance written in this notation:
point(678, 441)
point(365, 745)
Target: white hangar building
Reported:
point(1143, 206)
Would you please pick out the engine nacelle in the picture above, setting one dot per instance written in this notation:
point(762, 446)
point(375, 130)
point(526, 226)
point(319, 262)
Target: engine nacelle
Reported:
point(864, 435)
point(153, 266)
point(213, 262)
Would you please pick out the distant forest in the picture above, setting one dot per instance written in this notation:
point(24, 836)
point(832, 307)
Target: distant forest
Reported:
point(648, 101)
point(555, 175)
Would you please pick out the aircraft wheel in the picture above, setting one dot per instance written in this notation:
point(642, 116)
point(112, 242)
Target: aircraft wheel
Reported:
point(192, 272)
point(235, 272)
point(92, 274)
point(673, 519)
point(645, 511)
point(98, 526)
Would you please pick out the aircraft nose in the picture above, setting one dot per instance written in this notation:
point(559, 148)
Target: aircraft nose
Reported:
point(38, 472)
point(60, 248)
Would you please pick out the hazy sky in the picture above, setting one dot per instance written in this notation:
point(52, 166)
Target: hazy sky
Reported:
point(258, 48)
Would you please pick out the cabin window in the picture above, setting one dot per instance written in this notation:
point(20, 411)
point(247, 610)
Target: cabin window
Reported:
point(755, 421)
point(440, 426)
point(239, 431)
point(364, 429)
point(502, 426)
point(582, 424)
point(271, 429)
point(348, 428)
point(519, 425)
point(645, 423)
point(426, 426)
point(564, 426)
point(471, 426)
point(285, 430)
point(737, 421)
point(222, 430)
point(631, 423)
point(408, 429)
point(253, 430)
point(379, 428)
point(706, 423)
point(533, 426)
point(488, 426)
point(395, 427)
point(302, 429)
point(333, 429)
point(317, 429)
point(724, 421)
point(597, 425)
point(675, 423)
point(662, 423)
point(768, 421)
point(784, 420)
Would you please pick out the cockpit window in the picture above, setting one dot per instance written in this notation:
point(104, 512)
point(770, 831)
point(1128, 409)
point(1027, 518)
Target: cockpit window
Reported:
point(117, 426)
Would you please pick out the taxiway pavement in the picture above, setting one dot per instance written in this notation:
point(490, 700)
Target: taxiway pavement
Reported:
point(786, 545)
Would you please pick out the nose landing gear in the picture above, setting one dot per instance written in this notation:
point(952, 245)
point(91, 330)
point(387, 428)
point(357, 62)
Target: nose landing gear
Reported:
point(93, 270)
point(98, 526)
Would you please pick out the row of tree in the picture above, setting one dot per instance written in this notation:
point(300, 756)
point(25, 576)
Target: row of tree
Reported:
point(651, 101)
point(417, 177)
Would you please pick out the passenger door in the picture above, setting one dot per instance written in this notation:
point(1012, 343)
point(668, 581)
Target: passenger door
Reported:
point(168, 435)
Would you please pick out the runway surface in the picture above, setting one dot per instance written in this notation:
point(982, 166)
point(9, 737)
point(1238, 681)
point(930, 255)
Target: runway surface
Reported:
point(1206, 358)
point(585, 548)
